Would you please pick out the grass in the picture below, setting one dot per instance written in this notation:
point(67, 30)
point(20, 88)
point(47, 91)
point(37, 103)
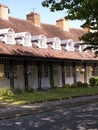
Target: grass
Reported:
point(52, 94)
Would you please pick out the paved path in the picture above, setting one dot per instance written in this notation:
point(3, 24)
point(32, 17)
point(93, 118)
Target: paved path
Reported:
point(83, 117)
point(12, 111)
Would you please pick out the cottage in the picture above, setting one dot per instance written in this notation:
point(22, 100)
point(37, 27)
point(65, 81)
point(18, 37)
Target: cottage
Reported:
point(39, 55)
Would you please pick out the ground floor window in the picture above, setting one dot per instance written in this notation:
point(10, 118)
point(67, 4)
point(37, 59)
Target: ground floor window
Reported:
point(68, 71)
point(45, 71)
point(95, 71)
point(7, 71)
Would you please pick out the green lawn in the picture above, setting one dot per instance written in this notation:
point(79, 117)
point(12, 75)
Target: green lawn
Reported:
point(52, 94)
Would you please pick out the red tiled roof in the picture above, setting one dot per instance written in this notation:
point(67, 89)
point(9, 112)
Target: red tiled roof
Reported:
point(44, 53)
point(19, 25)
point(47, 29)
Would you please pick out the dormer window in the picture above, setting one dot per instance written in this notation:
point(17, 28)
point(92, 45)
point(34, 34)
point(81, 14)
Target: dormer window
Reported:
point(68, 44)
point(39, 41)
point(7, 36)
point(54, 43)
point(23, 38)
point(79, 46)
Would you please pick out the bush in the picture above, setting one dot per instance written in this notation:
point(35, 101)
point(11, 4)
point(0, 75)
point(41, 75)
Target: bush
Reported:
point(96, 81)
point(79, 84)
point(30, 90)
point(66, 86)
point(92, 81)
point(18, 90)
point(85, 85)
point(74, 85)
point(4, 91)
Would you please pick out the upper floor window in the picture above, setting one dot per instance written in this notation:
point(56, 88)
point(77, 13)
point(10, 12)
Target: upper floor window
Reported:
point(10, 37)
point(23, 38)
point(68, 44)
point(7, 36)
point(54, 43)
point(27, 39)
point(80, 46)
point(39, 41)
point(57, 43)
point(43, 41)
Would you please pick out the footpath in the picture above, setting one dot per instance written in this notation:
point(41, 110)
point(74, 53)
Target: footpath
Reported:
point(13, 111)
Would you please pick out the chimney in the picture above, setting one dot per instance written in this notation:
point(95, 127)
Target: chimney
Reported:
point(63, 23)
point(34, 18)
point(4, 12)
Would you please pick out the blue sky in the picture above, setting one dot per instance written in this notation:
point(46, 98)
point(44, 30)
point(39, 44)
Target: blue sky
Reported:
point(19, 9)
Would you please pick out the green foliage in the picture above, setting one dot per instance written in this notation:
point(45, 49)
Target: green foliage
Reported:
point(96, 81)
point(18, 90)
point(66, 86)
point(85, 10)
point(92, 81)
point(85, 85)
point(74, 85)
point(4, 91)
point(29, 90)
point(54, 87)
point(52, 94)
point(79, 84)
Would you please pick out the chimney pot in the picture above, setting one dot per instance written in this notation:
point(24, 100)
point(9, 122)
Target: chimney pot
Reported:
point(63, 23)
point(4, 12)
point(34, 18)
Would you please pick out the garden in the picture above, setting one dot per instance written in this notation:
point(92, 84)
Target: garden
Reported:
point(55, 93)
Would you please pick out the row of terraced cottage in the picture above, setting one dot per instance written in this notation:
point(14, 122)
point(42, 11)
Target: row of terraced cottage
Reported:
point(34, 54)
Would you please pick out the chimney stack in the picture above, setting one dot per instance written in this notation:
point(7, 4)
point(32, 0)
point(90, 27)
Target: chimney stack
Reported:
point(34, 18)
point(4, 12)
point(63, 23)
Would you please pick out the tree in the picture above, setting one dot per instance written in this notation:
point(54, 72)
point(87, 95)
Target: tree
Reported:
point(86, 10)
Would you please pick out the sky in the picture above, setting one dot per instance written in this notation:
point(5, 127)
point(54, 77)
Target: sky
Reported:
point(20, 8)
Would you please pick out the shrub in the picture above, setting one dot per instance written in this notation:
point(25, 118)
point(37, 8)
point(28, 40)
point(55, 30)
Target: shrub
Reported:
point(29, 90)
point(73, 85)
point(66, 86)
point(79, 84)
point(54, 87)
point(4, 91)
point(92, 81)
point(85, 85)
point(18, 90)
point(96, 81)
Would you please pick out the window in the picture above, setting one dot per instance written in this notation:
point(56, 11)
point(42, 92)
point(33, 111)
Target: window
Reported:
point(1, 70)
point(57, 43)
point(70, 47)
point(82, 47)
point(23, 38)
point(94, 71)
point(69, 71)
point(27, 39)
point(10, 37)
point(7, 71)
point(43, 41)
point(45, 71)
